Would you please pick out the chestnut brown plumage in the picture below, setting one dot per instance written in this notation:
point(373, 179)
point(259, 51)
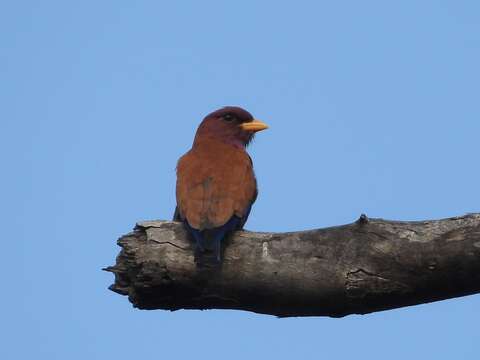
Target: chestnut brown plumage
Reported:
point(216, 185)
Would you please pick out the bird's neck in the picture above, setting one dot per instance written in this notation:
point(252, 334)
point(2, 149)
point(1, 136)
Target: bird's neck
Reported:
point(201, 141)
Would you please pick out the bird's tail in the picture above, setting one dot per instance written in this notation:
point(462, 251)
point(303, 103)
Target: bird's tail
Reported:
point(209, 241)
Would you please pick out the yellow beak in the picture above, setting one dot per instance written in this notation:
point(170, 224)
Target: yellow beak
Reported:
point(254, 126)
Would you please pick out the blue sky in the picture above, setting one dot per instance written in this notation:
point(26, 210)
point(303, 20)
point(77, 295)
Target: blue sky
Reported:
point(373, 108)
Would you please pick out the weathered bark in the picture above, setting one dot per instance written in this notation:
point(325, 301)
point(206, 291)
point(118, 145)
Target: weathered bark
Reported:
point(359, 268)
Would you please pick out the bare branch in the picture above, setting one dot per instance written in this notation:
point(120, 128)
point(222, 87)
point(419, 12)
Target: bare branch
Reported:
point(367, 266)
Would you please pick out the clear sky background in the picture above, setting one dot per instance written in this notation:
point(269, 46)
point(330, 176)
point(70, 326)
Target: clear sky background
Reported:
point(373, 107)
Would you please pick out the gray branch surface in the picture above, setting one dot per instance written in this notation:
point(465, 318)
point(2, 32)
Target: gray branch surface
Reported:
point(366, 266)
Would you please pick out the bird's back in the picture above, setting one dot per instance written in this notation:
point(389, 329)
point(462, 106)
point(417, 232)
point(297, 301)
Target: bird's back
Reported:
point(214, 182)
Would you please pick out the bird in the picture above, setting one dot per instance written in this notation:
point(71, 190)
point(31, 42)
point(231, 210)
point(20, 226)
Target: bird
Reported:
point(216, 184)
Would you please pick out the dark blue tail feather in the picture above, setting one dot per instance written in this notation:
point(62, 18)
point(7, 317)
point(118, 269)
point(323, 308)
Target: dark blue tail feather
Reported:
point(211, 239)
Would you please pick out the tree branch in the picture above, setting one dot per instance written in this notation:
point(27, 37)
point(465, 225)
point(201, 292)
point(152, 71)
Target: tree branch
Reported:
point(367, 266)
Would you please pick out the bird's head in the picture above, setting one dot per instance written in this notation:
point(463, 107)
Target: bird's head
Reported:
point(232, 125)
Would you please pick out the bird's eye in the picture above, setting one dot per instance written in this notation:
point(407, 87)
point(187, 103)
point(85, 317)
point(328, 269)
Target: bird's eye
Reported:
point(228, 117)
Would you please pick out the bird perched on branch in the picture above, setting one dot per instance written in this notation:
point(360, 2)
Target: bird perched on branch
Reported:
point(216, 185)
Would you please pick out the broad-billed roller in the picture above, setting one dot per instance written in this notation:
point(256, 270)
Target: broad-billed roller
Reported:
point(216, 185)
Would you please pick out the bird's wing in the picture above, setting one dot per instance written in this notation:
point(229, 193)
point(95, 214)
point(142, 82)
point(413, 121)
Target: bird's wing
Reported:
point(176, 215)
point(214, 184)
